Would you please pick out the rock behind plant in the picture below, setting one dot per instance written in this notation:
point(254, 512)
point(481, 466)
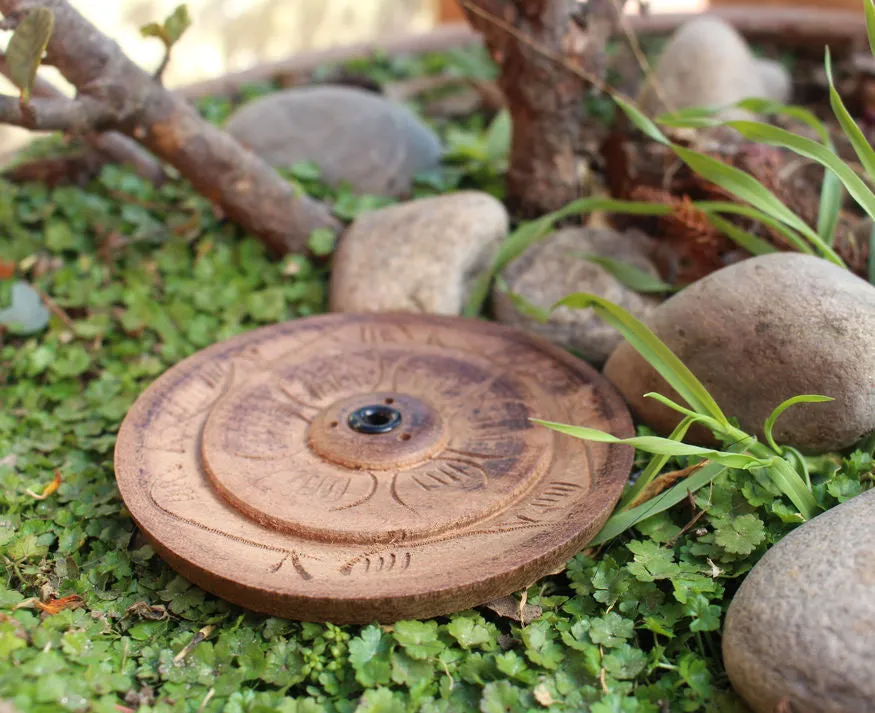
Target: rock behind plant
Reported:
point(707, 63)
point(554, 268)
point(801, 628)
point(354, 136)
point(759, 332)
point(421, 256)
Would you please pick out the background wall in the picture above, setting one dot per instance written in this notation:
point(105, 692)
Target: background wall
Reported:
point(230, 35)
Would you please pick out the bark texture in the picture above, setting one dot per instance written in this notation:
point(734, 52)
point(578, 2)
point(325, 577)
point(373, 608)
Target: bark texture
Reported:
point(543, 48)
point(113, 93)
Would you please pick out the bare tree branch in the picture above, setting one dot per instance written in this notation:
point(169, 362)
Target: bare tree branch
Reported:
point(115, 146)
point(550, 56)
point(55, 114)
point(245, 187)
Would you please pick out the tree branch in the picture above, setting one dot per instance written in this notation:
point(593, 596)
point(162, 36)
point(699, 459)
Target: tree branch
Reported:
point(245, 187)
point(117, 147)
point(550, 56)
point(70, 115)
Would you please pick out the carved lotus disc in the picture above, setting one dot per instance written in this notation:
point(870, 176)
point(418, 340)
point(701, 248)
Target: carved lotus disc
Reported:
point(352, 468)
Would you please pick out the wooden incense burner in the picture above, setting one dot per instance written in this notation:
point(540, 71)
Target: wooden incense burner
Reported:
point(353, 468)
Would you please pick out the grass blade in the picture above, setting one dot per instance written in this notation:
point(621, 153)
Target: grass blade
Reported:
point(619, 522)
point(788, 234)
point(748, 189)
point(641, 121)
point(523, 305)
point(783, 406)
point(656, 464)
point(661, 446)
point(793, 486)
point(745, 240)
point(629, 275)
point(649, 346)
point(705, 118)
point(772, 135)
point(767, 106)
point(831, 197)
point(849, 126)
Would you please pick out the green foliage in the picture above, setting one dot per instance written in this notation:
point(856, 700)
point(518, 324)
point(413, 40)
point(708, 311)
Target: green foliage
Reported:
point(633, 628)
point(171, 30)
point(741, 450)
point(145, 277)
point(26, 47)
point(629, 275)
point(838, 176)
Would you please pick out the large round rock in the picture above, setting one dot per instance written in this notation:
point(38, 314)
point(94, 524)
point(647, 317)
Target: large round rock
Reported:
point(763, 330)
point(354, 136)
point(800, 632)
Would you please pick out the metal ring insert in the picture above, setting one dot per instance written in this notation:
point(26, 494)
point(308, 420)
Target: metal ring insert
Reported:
point(375, 419)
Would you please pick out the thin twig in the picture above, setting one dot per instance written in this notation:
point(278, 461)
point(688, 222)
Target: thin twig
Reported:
point(158, 74)
point(641, 58)
point(56, 309)
point(43, 114)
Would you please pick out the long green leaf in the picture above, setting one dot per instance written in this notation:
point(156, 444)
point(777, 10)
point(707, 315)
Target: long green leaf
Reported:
point(748, 241)
point(767, 106)
point(691, 118)
point(849, 126)
point(748, 189)
point(772, 135)
point(788, 234)
point(783, 406)
point(831, 196)
point(661, 446)
point(521, 303)
point(793, 486)
point(801, 464)
point(629, 275)
point(708, 422)
point(619, 522)
point(870, 23)
point(641, 121)
point(704, 118)
point(656, 464)
point(25, 50)
point(657, 354)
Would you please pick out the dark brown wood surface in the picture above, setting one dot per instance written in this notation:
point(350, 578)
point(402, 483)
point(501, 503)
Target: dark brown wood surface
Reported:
point(243, 465)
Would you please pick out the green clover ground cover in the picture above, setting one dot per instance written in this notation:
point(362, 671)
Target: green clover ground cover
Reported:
point(143, 277)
